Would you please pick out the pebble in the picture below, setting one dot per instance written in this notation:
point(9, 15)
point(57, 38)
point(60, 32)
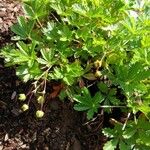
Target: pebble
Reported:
point(2, 14)
point(1, 147)
point(6, 137)
point(13, 95)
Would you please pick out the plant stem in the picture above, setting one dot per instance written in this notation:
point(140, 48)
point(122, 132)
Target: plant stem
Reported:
point(124, 125)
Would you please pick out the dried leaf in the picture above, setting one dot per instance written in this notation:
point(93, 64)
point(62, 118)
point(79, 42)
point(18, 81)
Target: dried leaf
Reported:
point(57, 89)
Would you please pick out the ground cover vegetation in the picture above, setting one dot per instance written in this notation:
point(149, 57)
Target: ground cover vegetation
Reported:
point(98, 51)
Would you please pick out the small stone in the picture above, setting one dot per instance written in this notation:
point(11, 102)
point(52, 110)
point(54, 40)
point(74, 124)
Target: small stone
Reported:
point(6, 137)
point(3, 9)
point(2, 14)
point(1, 21)
point(13, 95)
point(16, 9)
point(1, 147)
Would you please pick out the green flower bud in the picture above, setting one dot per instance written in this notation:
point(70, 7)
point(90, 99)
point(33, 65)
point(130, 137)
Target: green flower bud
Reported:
point(25, 107)
point(40, 99)
point(39, 114)
point(22, 97)
point(98, 74)
point(98, 64)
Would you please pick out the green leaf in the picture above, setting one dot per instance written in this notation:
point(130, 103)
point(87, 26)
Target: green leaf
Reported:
point(48, 57)
point(98, 98)
point(113, 58)
point(68, 80)
point(65, 34)
point(108, 132)
point(129, 132)
point(145, 42)
point(79, 9)
point(130, 24)
point(80, 107)
point(28, 11)
point(62, 94)
point(88, 103)
point(36, 8)
point(103, 87)
point(23, 28)
point(27, 73)
point(111, 145)
point(90, 114)
point(23, 73)
point(144, 138)
point(86, 93)
point(57, 74)
point(124, 146)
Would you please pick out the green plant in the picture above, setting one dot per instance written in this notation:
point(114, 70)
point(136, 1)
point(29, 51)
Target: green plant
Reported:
point(74, 41)
point(87, 103)
point(135, 136)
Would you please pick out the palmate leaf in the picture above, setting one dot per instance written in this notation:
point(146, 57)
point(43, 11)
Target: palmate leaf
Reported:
point(103, 88)
point(72, 71)
point(36, 8)
point(87, 103)
point(24, 53)
point(27, 73)
point(15, 57)
point(23, 73)
point(51, 31)
point(48, 57)
point(67, 73)
point(59, 8)
point(134, 136)
point(85, 98)
point(137, 72)
point(86, 93)
point(142, 55)
point(27, 49)
point(69, 80)
point(23, 28)
point(130, 24)
point(130, 77)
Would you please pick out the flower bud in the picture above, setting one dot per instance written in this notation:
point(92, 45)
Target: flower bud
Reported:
point(22, 97)
point(25, 107)
point(40, 99)
point(98, 64)
point(39, 114)
point(98, 74)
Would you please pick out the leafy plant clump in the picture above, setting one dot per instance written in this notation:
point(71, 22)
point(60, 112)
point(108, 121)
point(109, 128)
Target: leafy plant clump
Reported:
point(83, 44)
